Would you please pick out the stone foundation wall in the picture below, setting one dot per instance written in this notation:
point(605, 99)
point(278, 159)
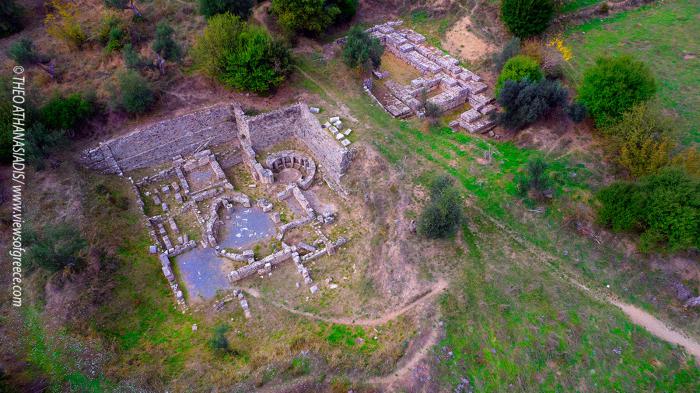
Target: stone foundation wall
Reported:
point(159, 142)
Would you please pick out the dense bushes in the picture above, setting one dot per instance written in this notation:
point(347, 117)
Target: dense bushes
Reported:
point(441, 217)
point(241, 56)
point(312, 16)
point(613, 86)
point(66, 113)
point(362, 50)
point(240, 8)
point(641, 141)
point(525, 102)
point(518, 68)
point(135, 95)
point(526, 18)
point(55, 247)
point(664, 208)
point(10, 18)
point(62, 22)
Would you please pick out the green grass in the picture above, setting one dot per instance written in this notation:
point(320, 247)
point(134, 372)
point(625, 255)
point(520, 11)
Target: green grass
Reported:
point(512, 322)
point(575, 5)
point(660, 35)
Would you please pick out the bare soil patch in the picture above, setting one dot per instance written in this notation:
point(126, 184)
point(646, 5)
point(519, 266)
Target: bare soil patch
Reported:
point(460, 41)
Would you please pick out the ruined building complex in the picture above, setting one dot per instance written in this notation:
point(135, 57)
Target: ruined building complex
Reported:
point(444, 82)
point(190, 205)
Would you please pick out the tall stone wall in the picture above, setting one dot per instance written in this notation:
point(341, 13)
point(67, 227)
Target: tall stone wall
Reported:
point(334, 157)
point(271, 128)
point(159, 142)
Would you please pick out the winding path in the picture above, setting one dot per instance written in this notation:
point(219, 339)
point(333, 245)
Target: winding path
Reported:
point(436, 289)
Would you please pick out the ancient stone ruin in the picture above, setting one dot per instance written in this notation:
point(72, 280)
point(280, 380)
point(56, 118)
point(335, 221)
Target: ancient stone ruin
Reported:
point(443, 82)
point(189, 187)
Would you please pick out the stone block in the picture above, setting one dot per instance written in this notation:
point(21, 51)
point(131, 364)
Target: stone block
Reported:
point(313, 109)
point(345, 142)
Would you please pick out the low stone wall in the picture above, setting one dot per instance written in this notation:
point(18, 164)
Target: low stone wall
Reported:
point(159, 142)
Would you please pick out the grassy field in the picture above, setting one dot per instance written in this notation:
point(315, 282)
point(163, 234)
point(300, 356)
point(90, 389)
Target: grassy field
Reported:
point(665, 37)
point(512, 321)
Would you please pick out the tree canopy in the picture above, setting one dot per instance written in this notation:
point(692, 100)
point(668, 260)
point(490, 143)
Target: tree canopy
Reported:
point(362, 50)
point(613, 86)
point(527, 18)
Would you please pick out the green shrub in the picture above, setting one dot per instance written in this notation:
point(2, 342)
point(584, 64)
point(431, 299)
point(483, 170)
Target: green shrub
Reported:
point(305, 16)
point(525, 102)
point(527, 18)
point(42, 141)
point(518, 68)
point(511, 49)
point(164, 44)
point(219, 342)
point(66, 113)
point(613, 86)
point(132, 58)
point(10, 18)
point(362, 50)
point(209, 51)
point(135, 93)
point(240, 8)
point(642, 141)
point(663, 208)
point(22, 51)
point(256, 63)
point(535, 180)
point(55, 247)
point(441, 217)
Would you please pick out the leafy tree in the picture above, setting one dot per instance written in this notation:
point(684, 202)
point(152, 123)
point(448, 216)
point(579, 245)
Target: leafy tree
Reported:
point(305, 16)
point(347, 8)
point(511, 49)
point(518, 68)
point(55, 247)
point(164, 45)
point(362, 50)
point(525, 102)
point(241, 56)
point(641, 141)
point(441, 217)
point(664, 208)
point(22, 51)
point(240, 8)
point(66, 113)
point(256, 63)
point(209, 51)
point(613, 86)
point(10, 18)
point(135, 93)
point(527, 18)
point(535, 179)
